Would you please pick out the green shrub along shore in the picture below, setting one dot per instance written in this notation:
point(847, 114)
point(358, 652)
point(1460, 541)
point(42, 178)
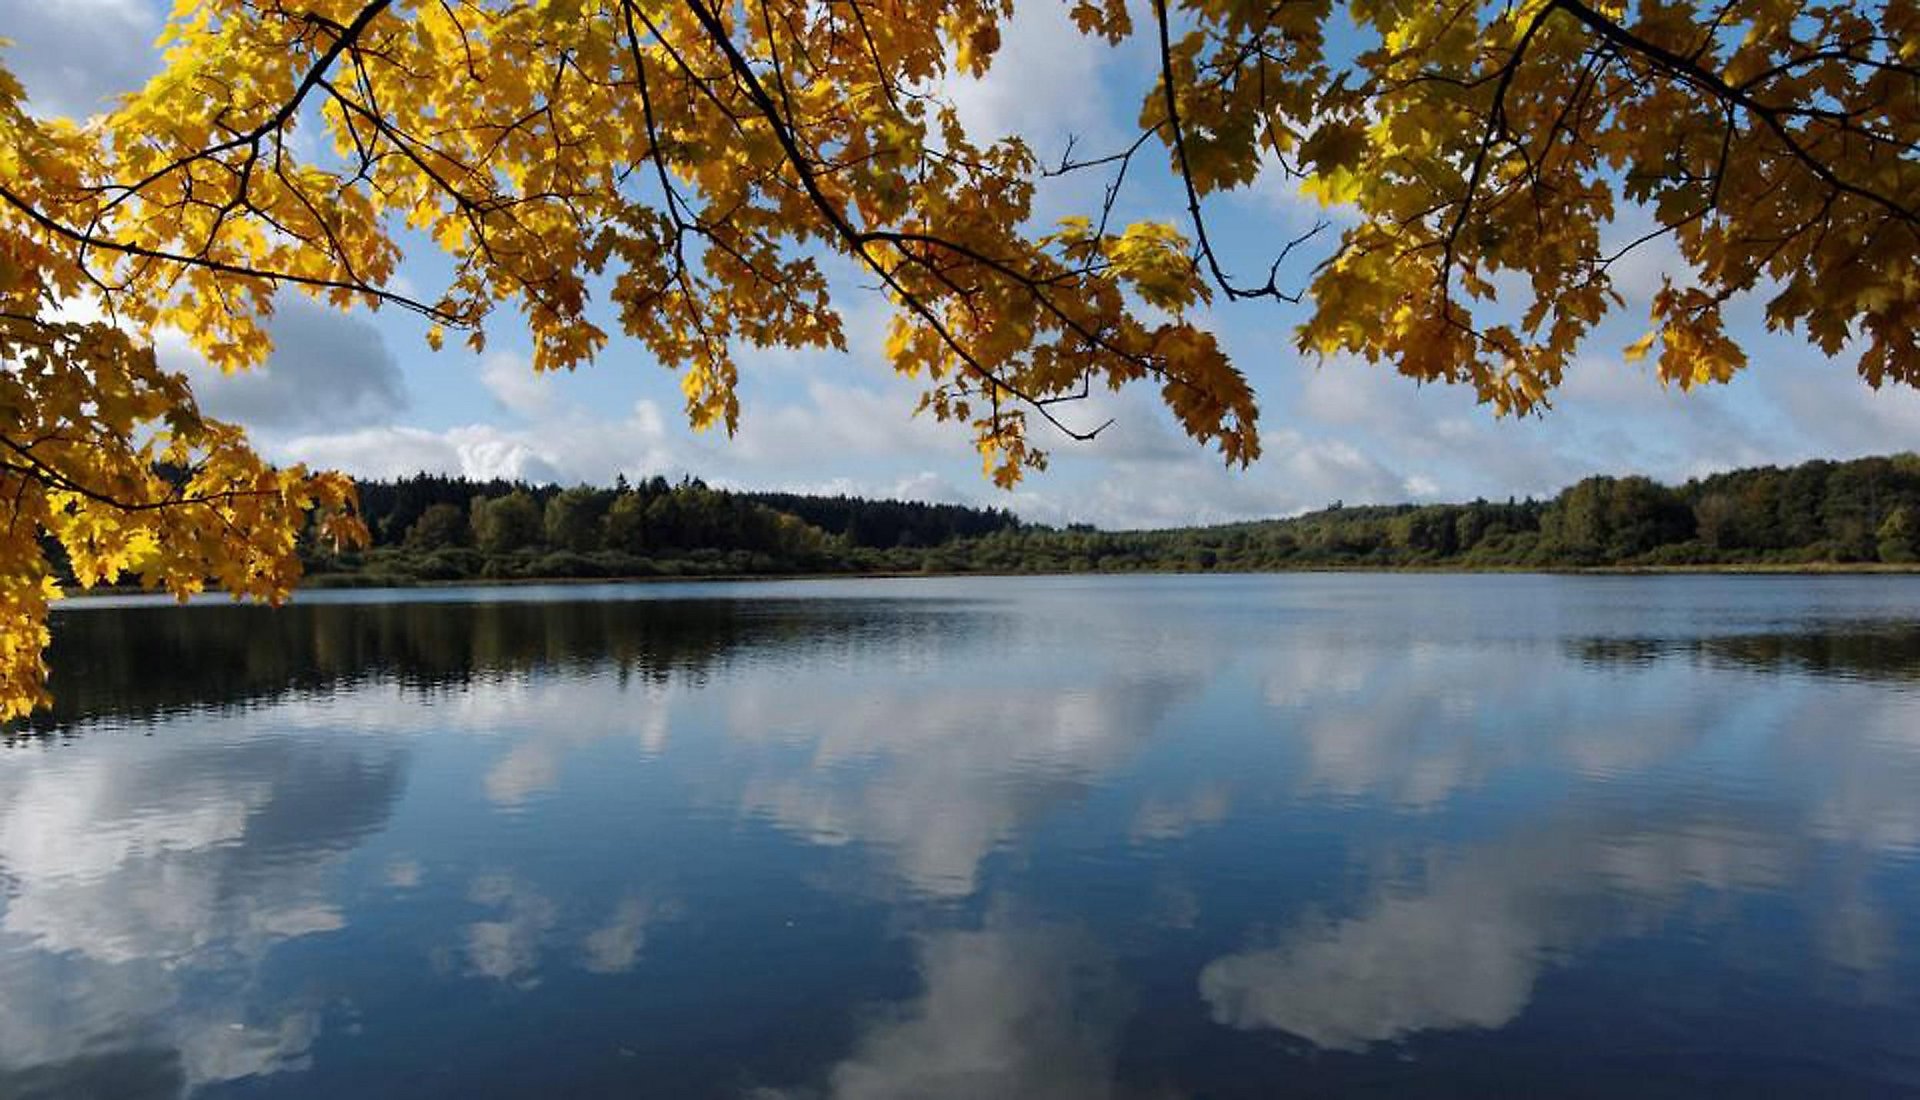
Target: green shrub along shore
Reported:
point(1856, 515)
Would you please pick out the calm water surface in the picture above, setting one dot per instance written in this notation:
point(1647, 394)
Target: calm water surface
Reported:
point(1135, 838)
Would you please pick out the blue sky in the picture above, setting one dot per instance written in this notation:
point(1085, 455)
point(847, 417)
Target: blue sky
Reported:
point(364, 393)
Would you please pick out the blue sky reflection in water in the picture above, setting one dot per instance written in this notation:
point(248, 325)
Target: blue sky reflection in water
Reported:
point(1016, 838)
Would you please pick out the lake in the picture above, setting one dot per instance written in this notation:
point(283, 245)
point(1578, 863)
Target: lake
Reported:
point(1143, 837)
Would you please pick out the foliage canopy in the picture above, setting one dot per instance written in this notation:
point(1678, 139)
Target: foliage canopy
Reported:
point(694, 162)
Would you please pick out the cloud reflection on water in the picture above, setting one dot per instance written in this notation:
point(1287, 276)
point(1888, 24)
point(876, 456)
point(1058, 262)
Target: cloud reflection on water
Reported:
point(1756, 778)
point(1463, 945)
point(138, 870)
point(1009, 1009)
point(1492, 807)
point(932, 776)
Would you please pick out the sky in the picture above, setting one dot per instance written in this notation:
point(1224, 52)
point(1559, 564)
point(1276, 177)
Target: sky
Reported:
point(363, 392)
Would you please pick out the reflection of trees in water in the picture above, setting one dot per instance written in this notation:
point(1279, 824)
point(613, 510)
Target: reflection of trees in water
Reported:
point(149, 660)
point(1854, 650)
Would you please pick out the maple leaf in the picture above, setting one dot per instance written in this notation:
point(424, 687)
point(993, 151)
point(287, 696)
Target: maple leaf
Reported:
point(702, 161)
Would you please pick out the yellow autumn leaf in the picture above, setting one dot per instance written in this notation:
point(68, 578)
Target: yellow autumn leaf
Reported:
point(691, 172)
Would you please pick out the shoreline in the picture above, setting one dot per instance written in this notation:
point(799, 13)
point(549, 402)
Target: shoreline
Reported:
point(353, 582)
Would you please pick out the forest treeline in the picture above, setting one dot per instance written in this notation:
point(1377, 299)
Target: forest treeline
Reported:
point(435, 528)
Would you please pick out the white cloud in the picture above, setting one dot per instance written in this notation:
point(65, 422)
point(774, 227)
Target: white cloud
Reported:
point(1639, 274)
point(73, 56)
point(1181, 483)
point(929, 486)
point(843, 421)
point(513, 382)
point(328, 369)
point(383, 452)
point(1044, 83)
point(576, 448)
point(777, 445)
point(1843, 416)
